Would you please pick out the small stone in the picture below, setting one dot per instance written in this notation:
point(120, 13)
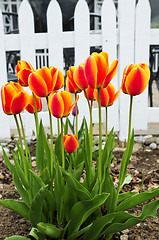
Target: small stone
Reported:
point(153, 146)
point(124, 237)
point(149, 141)
point(138, 225)
point(139, 139)
point(157, 160)
point(126, 231)
point(0, 196)
point(157, 140)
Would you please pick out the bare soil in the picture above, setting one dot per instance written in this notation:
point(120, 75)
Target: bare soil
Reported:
point(142, 158)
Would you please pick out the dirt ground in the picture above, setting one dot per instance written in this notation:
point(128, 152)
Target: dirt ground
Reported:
point(142, 158)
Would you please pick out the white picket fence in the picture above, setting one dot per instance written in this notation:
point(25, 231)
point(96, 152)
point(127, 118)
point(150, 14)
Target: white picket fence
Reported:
point(129, 43)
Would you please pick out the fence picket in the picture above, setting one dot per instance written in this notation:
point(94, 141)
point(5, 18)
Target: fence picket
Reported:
point(142, 39)
point(82, 45)
point(126, 56)
point(55, 38)
point(4, 120)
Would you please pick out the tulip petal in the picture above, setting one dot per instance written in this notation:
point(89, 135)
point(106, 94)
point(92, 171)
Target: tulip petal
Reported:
point(46, 75)
point(111, 91)
point(102, 70)
point(104, 97)
point(70, 143)
point(112, 72)
point(56, 105)
point(22, 76)
point(90, 69)
point(79, 77)
point(90, 93)
point(37, 85)
point(67, 100)
point(57, 77)
point(136, 81)
point(19, 102)
point(31, 106)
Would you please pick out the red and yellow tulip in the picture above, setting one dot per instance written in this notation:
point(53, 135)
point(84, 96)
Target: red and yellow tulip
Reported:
point(97, 71)
point(31, 106)
point(70, 81)
point(43, 81)
point(90, 93)
point(60, 103)
point(108, 95)
point(70, 143)
point(23, 70)
point(79, 77)
point(135, 79)
point(14, 98)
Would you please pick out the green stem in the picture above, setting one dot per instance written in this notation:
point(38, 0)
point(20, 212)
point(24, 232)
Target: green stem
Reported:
point(106, 123)
point(51, 134)
point(100, 142)
point(58, 126)
point(23, 132)
point(62, 145)
point(36, 116)
point(128, 142)
point(21, 144)
point(130, 118)
point(76, 117)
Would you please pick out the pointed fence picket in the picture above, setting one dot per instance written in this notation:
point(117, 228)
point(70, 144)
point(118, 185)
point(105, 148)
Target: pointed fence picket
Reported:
point(129, 43)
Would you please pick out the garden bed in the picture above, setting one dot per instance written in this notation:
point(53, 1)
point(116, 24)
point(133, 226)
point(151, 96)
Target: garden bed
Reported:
point(143, 158)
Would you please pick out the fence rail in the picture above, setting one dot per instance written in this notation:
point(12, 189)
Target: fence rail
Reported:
point(129, 42)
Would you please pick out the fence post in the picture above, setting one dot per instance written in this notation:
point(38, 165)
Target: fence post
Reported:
point(54, 28)
point(27, 46)
point(142, 39)
point(82, 46)
point(109, 45)
point(126, 56)
point(4, 119)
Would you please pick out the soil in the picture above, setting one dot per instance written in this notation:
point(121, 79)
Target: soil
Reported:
point(142, 158)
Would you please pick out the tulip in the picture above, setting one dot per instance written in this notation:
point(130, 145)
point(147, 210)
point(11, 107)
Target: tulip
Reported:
point(43, 81)
point(23, 70)
point(97, 71)
point(14, 98)
point(135, 79)
point(79, 77)
point(60, 103)
point(70, 81)
point(31, 106)
point(90, 92)
point(108, 95)
point(74, 111)
point(70, 143)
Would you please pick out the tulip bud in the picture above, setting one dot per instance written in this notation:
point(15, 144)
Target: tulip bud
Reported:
point(74, 111)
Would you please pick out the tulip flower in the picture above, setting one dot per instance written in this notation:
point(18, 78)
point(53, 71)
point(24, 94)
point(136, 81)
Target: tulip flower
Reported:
point(70, 81)
point(70, 143)
point(31, 106)
point(135, 79)
point(23, 70)
point(60, 103)
point(90, 92)
point(97, 71)
point(79, 77)
point(14, 98)
point(108, 95)
point(43, 81)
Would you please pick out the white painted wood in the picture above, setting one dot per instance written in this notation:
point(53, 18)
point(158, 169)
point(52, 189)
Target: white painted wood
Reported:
point(109, 45)
point(26, 30)
point(82, 46)
point(55, 38)
point(142, 39)
point(126, 56)
point(4, 119)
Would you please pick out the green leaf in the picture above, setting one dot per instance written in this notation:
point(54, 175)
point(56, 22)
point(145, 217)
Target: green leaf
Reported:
point(18, 207)
point(66, 126)
point(125, 220)
point(71, 126)
point(77, 187)
point(35, 212)
point(79, 233)
point(16, 238)
point(83, 209)
point(80, 157)
point(58, 149)
point(40, 150)
point(49, 230)
point(78, 170)
point(123, 196)
point(45, 176)
point(137, 199)
point(47, 150)
point(33, 234)
point(127, 180)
